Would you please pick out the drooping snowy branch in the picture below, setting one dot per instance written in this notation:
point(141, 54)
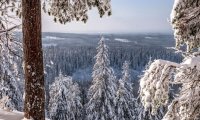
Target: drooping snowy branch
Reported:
point(154, 85)
point(186, 105)
point(68, 10)
point(63, 11)
point(185, 21)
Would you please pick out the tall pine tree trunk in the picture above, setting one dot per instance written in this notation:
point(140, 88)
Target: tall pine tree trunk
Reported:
point(33, 58)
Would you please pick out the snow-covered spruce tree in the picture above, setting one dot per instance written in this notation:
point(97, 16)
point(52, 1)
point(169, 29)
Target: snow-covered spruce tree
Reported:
point(76, 104)
point(101, 95)
point(125, 102)
point(10, 94)
point(64, 101)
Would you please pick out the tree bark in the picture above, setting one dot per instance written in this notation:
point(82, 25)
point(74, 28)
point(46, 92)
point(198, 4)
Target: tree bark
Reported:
point(33, 60)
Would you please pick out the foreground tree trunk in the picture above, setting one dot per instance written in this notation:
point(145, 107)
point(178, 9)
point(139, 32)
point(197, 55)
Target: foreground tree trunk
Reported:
point(33, 58)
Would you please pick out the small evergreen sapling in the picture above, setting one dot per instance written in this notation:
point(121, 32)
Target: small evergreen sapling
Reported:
point(64, 101)
point(125, 102)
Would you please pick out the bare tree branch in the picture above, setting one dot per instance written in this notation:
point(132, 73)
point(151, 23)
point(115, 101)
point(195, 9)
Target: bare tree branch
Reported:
point(9, 29)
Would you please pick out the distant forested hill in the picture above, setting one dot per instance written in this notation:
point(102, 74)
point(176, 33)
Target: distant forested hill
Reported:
point(74, 53)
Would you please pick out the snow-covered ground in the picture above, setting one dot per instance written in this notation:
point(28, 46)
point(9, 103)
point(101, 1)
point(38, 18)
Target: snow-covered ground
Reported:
point(10, 115)
point(53, 38)
point(121, 40)
point(148, 37)
point(49, 44)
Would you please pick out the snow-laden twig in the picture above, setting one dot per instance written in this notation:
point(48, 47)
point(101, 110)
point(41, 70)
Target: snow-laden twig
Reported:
point(185, 21)
point(9, 29)
point(65, 11)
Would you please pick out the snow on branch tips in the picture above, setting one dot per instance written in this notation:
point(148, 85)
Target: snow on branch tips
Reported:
point(9, 10)
point(154, 85)
point(185, 21)
point(68, 10)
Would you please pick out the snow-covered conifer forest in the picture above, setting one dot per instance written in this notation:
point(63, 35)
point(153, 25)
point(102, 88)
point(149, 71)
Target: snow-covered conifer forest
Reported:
point(98, 77)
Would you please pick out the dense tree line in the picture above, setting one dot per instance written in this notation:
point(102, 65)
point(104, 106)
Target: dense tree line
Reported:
point(70, 59)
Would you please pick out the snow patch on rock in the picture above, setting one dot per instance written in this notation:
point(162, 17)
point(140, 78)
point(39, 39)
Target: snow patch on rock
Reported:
point(10, 115)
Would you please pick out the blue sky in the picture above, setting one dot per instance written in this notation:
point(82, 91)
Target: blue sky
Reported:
point(129, 16)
